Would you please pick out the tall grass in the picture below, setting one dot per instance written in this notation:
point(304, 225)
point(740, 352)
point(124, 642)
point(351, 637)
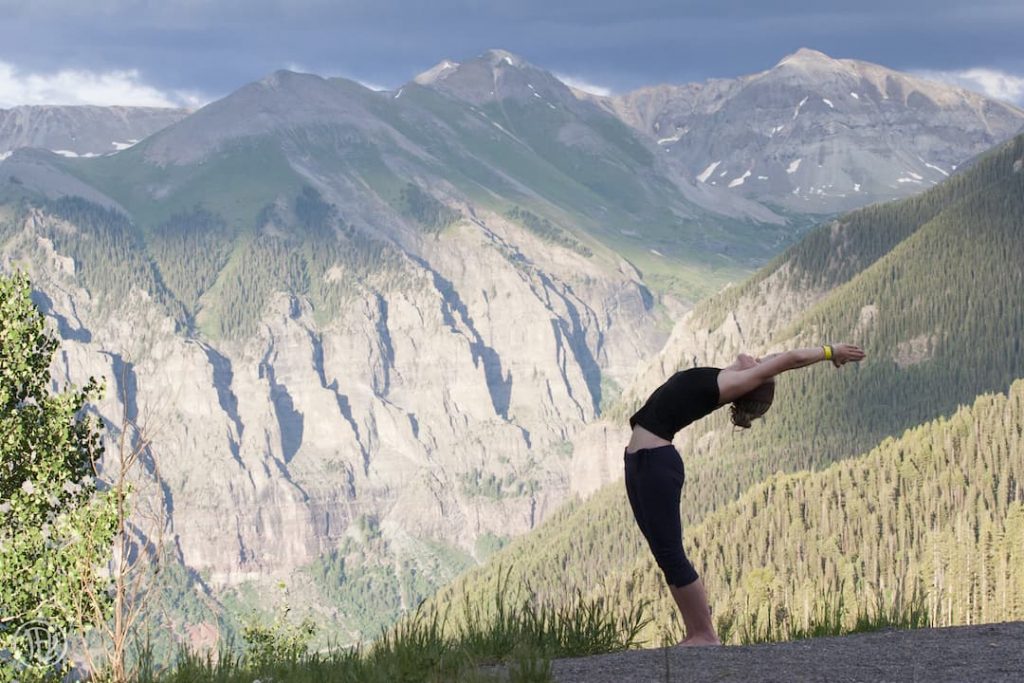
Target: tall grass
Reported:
point(514, 639)
point(831, 617)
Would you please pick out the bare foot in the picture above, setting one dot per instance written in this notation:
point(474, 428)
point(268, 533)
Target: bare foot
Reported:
point(699, 641)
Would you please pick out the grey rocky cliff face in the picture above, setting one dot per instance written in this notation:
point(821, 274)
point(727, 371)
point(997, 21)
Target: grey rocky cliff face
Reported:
point(270, 448)
point(816, 134)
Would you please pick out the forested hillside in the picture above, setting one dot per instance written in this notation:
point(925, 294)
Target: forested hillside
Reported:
point(935, 516)
point(930, 288)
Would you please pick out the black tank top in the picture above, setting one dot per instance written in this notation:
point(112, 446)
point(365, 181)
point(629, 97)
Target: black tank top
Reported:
point(686, 397)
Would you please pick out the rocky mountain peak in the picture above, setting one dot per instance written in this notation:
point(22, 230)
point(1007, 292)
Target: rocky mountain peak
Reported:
point(805, 56)
point(437, 72)
point(283, 100)
point(494, 75)
point(492, 61)
point(297, 89)
point(836, 77)
point(496, 57)
point(284, 78)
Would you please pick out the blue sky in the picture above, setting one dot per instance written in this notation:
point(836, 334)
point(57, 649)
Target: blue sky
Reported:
point(186, 52)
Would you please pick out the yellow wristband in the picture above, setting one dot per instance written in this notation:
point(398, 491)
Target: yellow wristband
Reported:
point(828, 352)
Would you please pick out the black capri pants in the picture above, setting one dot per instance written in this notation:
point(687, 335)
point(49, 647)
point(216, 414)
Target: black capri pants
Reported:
point(654, 482)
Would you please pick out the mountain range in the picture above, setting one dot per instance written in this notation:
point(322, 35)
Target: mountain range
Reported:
point(816, 134)
point(374, 331)
point(81, 130)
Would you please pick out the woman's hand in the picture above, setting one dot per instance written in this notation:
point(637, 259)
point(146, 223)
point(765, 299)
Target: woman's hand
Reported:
point(844, 353)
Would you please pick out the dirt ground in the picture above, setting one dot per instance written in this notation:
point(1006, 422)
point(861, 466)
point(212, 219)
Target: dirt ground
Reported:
point(961, 654)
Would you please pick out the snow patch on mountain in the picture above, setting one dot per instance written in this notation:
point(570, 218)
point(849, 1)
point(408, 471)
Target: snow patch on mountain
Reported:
point(675, 138)
point(800, 106)
point(739, 181)
point(499, 127)
point(703, 177)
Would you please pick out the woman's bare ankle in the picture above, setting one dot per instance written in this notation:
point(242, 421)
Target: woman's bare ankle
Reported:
point(700, 640)
point(693, 606)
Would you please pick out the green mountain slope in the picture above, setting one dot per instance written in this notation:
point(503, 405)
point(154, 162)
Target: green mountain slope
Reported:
point(211, 275)
point(938, 314)
point(937, 513)
point(929, 286)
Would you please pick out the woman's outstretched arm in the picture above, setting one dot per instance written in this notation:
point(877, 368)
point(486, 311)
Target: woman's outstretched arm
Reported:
point(734, 383)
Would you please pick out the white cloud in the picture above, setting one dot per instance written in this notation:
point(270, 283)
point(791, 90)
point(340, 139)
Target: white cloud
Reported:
point(585, 86)
point(991, 82)
point(78, 86)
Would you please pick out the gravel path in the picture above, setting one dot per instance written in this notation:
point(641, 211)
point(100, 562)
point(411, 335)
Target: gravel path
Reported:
point(961, 654)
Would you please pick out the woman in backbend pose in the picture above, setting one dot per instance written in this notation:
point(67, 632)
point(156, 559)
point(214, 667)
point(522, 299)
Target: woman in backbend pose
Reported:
point(654, 470)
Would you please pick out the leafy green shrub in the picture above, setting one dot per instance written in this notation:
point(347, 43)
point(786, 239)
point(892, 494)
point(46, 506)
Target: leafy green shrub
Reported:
point(281, 641)
point(56, 530)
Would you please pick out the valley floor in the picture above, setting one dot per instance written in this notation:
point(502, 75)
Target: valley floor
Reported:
point(961, 654)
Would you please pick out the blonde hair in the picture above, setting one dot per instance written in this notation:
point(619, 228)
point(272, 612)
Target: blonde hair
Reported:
point(752, 405)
